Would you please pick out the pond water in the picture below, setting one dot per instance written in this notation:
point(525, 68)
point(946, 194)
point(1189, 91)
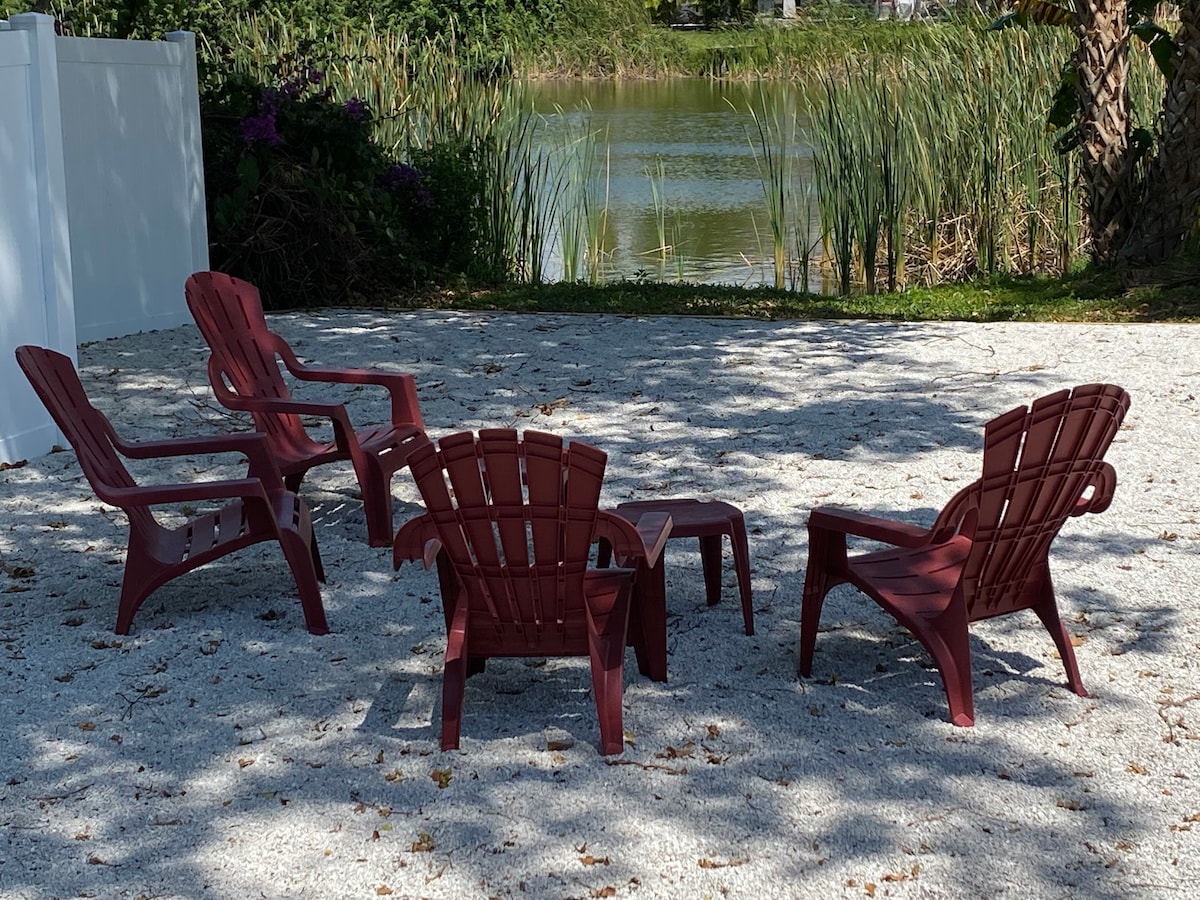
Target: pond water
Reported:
point(716, 222)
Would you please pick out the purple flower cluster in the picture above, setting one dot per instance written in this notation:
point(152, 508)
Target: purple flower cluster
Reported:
point(356, 109)
point(404, 180)
point(262, 126)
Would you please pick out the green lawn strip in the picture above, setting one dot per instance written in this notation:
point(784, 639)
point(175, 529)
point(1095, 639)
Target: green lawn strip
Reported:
point(1083, 297)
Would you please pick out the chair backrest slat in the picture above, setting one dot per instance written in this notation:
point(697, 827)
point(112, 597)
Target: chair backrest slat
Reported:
point(1037, 464)
point(516, 516)
point(88, 430)
point(229, 314)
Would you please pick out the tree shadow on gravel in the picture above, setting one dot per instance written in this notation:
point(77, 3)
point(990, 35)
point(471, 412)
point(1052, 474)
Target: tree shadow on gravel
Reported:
point(221, 749)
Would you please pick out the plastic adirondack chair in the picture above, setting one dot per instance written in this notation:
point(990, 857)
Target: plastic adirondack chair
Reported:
point(987, 553)
point(264, 510)
point(510, 522)
point(245, 375)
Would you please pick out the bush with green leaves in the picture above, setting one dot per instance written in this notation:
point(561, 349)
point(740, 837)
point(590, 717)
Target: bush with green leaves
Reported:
point(288, 177)
point(304, 203)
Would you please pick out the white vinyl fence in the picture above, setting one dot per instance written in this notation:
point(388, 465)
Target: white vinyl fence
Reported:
point(101, 199)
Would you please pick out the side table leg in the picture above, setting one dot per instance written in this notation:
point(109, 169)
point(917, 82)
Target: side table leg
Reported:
point(741, 562)
point(710, 560)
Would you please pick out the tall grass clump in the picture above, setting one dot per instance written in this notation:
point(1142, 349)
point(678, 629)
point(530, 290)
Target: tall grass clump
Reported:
point(921, 183)
point(657, 178)
point(580, 214)
point(774, 144)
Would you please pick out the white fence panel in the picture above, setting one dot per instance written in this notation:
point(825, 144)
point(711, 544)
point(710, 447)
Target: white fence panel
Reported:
point(101, 199)
point(134, 178)
point(35, 268)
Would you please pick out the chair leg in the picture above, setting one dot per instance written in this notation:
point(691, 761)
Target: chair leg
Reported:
point(454, 678)
point(377, 505)
point(449, 586)
point(710, 561)
point(607, 684)
point(375, 485)
point(648, 620)
point(299, 555)
point(315, 553)
point(142, 575)
point(741, 564)
point(820, 576)
point(948, 641)
point(810, 616)
point(1047, 611)
point(608, 622)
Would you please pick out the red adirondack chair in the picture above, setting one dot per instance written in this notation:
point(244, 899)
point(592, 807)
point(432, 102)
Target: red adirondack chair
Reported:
point(987, 553)
point(262, 511)
point(510, 521)
point(245, 375)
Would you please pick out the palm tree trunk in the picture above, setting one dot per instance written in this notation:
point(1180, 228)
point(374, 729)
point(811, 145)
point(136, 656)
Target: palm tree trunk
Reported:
point(1102, 61)
point(1171, 192)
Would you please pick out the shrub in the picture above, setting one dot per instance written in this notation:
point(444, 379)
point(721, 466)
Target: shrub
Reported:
point(290, 177)
point(305, 204)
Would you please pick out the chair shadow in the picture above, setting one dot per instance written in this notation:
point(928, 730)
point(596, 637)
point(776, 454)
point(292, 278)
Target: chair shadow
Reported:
point(529, 699)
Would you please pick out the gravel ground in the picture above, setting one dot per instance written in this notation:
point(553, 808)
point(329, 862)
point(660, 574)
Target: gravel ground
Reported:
point(219, 750)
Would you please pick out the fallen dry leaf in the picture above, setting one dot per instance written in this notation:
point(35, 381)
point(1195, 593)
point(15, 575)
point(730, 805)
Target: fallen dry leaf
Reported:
point(677, 752)
point(716, 864)
point(904, 874)
point(423, 843)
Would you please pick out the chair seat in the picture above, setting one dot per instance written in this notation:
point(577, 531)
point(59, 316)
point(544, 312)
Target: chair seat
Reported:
point(921, 582)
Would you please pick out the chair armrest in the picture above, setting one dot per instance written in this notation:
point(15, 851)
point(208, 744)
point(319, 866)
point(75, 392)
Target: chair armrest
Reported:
point(1103, 487)
point(283, 405)
point(161, 494)
point(654, 529)
point(241, 402)
point(343, 431)
point(889, 531)
point(643, 541)
point(242, 442)
point(251, 444)
point(416, 539)
point(401, 386)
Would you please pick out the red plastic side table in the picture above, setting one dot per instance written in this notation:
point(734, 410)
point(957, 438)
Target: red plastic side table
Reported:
point(707, 520)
